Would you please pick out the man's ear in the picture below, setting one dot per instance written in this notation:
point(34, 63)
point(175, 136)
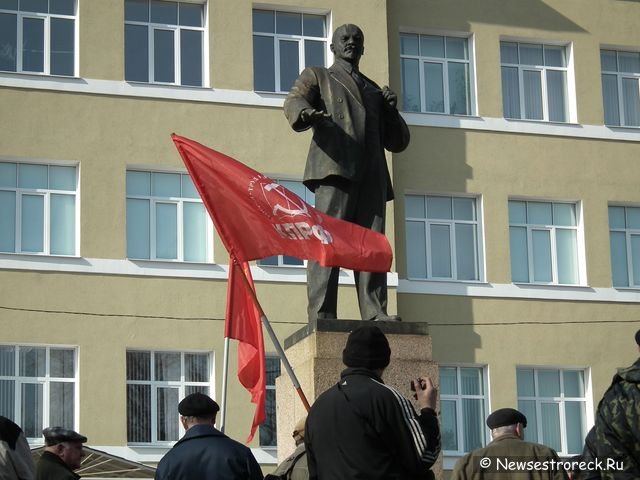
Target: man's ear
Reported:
point(332, 48)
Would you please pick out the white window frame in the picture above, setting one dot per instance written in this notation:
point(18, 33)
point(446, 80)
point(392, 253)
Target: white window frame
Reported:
point(46, 17)
point(620, 76)
point(179, 202)
point(292, 38)
point(179, 384)
point(280, 259)
point(45, 381)
point(176, 29)
point(458, 400)
point(628, 233)
point(428, 222)
point(571, 106)
point(470, 61)
point(531, 227)
point(588, 408)
point(46, 194)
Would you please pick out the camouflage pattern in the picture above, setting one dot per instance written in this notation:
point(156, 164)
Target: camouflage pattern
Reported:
point(618, 424)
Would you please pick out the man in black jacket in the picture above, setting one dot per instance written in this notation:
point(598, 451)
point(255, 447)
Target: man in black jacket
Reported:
point(364, 429)
point(204, 452)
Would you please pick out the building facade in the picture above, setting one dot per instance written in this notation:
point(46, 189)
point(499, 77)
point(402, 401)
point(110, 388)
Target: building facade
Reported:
point(515, 224)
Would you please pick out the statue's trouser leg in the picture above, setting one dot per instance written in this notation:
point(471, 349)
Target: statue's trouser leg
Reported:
point(364, 204)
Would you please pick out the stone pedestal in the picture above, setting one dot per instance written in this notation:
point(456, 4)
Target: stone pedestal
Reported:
point(315, 353)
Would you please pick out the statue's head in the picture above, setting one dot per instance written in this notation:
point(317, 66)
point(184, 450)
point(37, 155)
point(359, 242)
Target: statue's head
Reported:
point(347, 43)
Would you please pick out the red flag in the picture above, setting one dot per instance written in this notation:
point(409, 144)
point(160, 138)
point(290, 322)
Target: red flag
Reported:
point(243, 324)
point(257, 218)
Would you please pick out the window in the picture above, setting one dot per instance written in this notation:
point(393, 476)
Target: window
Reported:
point(553, 400)
point(442, 237)
point(544, 242)
point(166, 219)
point(268, 434)
point(164, 42)
point(156, 382)
point(621, 87)
point(305, 194)
point(624, 231)
point(38, 36)
point(534, 81)
point(284, 43)
point(435, 74)
point(38, 387)
point(463, 403)
point(38, 208)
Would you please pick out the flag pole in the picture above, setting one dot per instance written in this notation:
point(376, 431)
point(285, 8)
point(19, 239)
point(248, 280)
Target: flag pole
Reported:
point(225, 374)
point(276, 342)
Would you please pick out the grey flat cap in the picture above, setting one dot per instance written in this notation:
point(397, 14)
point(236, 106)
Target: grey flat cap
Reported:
point(56, 435)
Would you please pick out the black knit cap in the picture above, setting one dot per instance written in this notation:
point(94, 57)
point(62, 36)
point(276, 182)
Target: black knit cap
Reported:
point(197, 405)
point(638, 337)
point(504, 417)
point(367, 347)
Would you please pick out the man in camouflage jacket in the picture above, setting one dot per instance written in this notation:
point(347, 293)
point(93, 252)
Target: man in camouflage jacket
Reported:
point(618, 424)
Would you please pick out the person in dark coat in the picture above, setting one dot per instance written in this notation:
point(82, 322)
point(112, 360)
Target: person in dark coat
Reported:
point(618, 424)
point(362, 429)
point(205, 452)
point(353, 122)
point(15, 455)
point(508, 445)
point(63, 454)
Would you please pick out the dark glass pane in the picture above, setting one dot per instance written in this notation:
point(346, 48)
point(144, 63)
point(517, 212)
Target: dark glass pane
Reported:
point(33, 45)
point(196, 366)
point(263, 21)
point(268, 434)
point(7, 398)
point(263, 64)
point(7, 360)
point(138, 366)
point(289, 23)
point(9, 4)
point(268, 261)
point(287, 260)
point(138, 413)
point(289, 64)
point(167, 366)
point(136, 46)
point(167, 414)
point(8, 42)
point(314, 53)
point(62, 46)
point(32, 361)
point(136, 10)
point(62, 7)
point(61, 403)
point(163, 56)
point(313, 25)
point(272, 370)
point(61, 363)
point(191, 57)
point(191, 15)
point(34, 6)
point(32, 405)
point(164, 12)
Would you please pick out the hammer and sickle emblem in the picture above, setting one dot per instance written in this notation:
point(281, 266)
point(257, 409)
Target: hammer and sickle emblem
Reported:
point(302, 207)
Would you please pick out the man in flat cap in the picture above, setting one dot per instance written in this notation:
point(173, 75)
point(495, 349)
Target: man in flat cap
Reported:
point(203, 451)
point(618, 422)
point(507, 432)
point(364, 429)
point(62, 454)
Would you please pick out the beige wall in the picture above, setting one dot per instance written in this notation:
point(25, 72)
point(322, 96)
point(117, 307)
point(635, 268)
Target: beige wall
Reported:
point(107, 133)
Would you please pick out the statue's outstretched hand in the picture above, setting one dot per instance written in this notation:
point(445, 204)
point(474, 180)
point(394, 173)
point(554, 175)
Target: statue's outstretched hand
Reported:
point(313, 116)
point(389, 97)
